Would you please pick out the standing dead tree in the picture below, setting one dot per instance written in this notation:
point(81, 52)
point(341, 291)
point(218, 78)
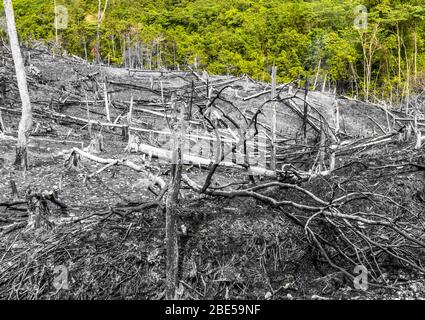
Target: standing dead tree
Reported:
point(2, 126)
point(274, 122)
point(2, 100)
point(172, 243)
point(25, 124)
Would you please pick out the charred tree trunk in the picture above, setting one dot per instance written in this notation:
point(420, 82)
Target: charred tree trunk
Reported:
point(172, 212)
point(38, 209)
point(171, 230)
point(274, 121)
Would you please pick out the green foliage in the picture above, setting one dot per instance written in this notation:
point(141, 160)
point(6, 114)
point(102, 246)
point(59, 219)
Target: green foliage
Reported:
point(247, 36)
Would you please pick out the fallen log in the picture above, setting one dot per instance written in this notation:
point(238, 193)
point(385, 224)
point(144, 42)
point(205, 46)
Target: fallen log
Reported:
point(259, 94)
point(12, 203)
point(194, 160)
point(164, 154)
point(112, 162)
point(359, 144)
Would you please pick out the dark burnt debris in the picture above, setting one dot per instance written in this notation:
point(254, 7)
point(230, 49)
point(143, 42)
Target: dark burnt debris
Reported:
point(87, 219)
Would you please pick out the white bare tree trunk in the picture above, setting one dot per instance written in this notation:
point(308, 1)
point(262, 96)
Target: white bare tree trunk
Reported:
point(25, 124)
point(274, 121)
point(100, 16)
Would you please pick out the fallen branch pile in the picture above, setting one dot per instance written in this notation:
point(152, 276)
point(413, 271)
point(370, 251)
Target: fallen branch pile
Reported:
point(348, 228)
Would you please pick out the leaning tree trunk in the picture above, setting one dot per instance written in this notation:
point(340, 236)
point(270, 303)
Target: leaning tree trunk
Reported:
point(100, 16)
point(25, 124)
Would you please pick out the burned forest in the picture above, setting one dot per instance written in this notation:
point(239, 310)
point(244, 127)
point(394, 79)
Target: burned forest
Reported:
point(127, 182)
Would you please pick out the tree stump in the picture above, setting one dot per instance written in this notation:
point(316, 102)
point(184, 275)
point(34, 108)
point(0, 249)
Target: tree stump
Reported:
point(38, 211)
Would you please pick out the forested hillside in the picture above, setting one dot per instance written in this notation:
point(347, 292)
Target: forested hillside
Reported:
point(384, 60)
